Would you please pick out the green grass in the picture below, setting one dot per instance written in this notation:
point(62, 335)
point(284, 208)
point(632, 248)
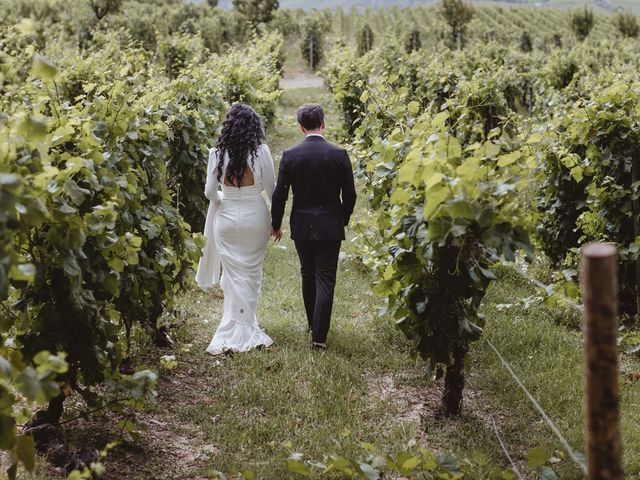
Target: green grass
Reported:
point(295, 63)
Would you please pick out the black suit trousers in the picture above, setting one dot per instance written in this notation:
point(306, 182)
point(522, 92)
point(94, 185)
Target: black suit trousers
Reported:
point(318, 266)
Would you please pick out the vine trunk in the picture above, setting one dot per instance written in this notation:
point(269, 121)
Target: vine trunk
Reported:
point(454, 381)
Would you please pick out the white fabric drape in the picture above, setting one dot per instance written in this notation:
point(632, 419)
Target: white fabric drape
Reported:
point(240, 229)
point(208, 273)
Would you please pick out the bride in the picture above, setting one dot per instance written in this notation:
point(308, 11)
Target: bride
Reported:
point(237, 228)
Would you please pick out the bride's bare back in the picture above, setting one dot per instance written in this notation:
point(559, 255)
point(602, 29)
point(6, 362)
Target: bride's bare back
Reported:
point(247, 179)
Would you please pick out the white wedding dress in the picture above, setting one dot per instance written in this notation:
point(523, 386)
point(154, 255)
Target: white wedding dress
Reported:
point(237, 230)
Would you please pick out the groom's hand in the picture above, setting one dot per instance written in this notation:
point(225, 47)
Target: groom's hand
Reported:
point(276, 234)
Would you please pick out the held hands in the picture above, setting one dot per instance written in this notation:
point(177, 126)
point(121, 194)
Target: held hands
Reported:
point(276, 234)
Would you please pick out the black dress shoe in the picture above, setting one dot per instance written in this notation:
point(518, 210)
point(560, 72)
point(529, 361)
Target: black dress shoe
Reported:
point(318, 346)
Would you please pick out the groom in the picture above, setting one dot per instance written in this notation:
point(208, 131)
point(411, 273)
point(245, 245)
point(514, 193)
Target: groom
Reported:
point(324, 196)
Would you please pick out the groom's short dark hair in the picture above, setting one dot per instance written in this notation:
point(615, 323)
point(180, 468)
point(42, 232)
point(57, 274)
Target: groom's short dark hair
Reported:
point(310, 116)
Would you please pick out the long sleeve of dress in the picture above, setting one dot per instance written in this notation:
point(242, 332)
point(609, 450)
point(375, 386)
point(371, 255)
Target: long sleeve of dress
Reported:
point(268, 173)
point(208, 273)
point(211, 185)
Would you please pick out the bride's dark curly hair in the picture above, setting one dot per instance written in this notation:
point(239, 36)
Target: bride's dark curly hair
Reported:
point(242, 134)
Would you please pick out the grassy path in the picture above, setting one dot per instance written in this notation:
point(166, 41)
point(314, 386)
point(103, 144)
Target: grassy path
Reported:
point(231, 414)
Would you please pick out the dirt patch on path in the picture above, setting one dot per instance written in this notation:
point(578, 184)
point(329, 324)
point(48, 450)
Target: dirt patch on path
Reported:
point(408, 402)
point(418, 403)
point(160, 453)
point(301, 80)
point(166, 444)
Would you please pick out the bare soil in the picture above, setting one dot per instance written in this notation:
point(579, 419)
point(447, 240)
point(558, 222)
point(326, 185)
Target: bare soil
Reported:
point(301, 80)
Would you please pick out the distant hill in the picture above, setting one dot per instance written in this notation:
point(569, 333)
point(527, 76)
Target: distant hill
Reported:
point(601, 5)
point(347, 4)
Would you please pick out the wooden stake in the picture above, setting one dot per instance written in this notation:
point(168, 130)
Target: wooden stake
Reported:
point(635, 176)
point(600, 298)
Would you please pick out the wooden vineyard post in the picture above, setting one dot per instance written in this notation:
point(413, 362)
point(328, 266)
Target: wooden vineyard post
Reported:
point(600, 298)
point(635, 176)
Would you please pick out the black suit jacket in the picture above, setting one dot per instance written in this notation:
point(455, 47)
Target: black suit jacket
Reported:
point(324, 194)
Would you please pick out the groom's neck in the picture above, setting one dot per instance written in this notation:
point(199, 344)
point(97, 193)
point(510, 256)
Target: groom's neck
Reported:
point(316, 131)
point(313, 132)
